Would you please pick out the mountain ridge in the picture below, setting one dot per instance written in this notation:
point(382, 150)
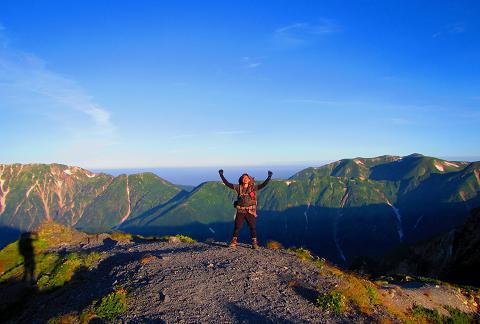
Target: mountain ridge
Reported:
point(378, 202)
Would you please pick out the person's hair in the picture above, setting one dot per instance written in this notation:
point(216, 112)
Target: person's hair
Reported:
point(245, 174)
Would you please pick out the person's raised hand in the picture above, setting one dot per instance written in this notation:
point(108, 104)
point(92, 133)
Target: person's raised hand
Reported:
point(270, 173)
point(220, 171)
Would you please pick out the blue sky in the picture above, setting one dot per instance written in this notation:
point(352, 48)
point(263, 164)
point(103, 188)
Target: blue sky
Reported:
point(136, 84)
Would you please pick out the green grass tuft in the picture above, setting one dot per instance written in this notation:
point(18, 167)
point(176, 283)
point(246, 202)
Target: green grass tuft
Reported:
point(111, 305)
point(333, 301)
point(54, 271)
point(458, 317)
point(302, 253)
point(185, 239)
point(274, 245)
point(421, 313)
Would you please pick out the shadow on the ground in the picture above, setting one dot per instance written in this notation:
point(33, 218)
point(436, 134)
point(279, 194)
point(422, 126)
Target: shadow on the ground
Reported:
point(306, 292)
point(302, 289)
point(85, 286)
point(242, 314)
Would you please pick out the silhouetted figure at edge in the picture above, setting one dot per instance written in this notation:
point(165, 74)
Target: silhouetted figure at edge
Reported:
point(246, 204)
point(25, 247)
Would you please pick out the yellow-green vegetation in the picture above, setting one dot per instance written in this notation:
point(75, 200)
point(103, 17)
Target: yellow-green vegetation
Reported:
point(51, 269)
point(120, 236)
point(274, 245)
point(421, 314)
point(53, 234)
point(360, 292)
point(457, 316)
point(109, 307)
point(302, 253)
point(425, 315)
point(185, 239)
point(333, 301)
point(352, 290)
point(180, 237)
point(10, 257)
point(305, 255)
point(59, 270)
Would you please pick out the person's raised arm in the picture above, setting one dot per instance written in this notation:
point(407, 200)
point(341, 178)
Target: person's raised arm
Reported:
point(225, 181)
point(263, 184)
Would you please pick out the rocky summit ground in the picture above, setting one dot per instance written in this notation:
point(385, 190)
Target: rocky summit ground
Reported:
point(176, 282)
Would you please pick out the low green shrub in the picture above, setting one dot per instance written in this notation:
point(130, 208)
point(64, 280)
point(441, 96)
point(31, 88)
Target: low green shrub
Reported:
point(302, 253)
point(274, 245)
point(185, 239)
point(421, 313)
point(111, 305)
point(372, 294)
point(333, 301)
point(458, 317)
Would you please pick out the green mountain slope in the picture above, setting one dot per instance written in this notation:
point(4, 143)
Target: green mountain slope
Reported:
point(33, 193)
point(343, 210)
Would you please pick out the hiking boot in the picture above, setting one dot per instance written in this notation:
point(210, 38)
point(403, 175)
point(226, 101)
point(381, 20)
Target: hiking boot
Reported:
point(233, 243)
point(254, 244)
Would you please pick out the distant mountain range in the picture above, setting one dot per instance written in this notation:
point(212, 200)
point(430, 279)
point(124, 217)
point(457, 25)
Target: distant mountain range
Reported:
point(342, 210)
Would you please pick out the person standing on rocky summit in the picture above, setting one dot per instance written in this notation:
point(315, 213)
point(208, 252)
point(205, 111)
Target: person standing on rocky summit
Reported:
point(246, 204)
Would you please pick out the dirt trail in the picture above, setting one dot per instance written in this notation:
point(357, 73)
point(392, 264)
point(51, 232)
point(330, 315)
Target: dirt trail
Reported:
point(186, 283)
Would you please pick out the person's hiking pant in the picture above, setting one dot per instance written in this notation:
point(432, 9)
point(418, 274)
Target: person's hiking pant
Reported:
point(239, 218)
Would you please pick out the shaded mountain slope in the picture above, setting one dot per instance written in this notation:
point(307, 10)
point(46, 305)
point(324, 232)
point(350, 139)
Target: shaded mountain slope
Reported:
point(454, 256)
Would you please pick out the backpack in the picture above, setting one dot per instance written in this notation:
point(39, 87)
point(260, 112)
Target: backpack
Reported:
point(251, 192)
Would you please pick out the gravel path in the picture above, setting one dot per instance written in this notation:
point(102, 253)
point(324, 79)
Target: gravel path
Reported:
point(192, 283)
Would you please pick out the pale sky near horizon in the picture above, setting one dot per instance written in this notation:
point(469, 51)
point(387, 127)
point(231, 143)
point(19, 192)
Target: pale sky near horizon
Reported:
point(137, 84)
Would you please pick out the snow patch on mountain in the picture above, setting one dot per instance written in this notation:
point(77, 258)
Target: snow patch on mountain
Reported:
point(3, 195)
point(417, 222)
point(451, 164)
point(358, 162)
point(439, 166)
point(124, 218)
point(305, 213)
point(399, 220)
point(67, 172)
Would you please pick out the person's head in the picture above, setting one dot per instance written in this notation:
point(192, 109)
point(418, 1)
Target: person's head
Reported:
point(244, 179)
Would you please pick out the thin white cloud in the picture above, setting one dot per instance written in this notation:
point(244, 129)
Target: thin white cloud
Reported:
point(251, 62)
point(302, 33)
point(25, 73)
point(451, 29)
